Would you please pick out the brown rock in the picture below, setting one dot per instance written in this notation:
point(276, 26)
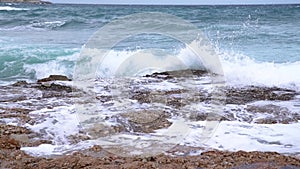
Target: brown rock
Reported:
point(20, 83)
point(54, 78)
point(9, 143)
point(254, 93)
point(10, 129)
point(178, 73)
point(145, 121)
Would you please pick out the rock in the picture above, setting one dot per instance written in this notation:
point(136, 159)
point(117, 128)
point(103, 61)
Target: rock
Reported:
point(145, 121)
point(101, 130)
point(13, 158)
point(178, 73)
point(55, 87)
point(54, 78)
point(20, 83)
point(9, 143)
point(253, 93)
point(10, 129)
point(275, 114)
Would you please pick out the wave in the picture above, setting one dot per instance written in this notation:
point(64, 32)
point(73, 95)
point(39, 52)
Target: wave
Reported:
point(243, 70)
point(9, 8)
point(35, 63)
point(37, 26)
point(47, 24)
point(43, 25)
point(239, 70)
point(62, 65)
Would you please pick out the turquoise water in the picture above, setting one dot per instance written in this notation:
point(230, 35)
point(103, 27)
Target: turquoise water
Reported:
point(257, 44)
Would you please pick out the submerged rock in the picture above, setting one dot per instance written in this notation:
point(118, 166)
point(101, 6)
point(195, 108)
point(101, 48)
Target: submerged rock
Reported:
point(54, 78)
point(273, 114)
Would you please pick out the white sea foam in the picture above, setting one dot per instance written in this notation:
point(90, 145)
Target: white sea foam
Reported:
point(238, 69)
point(9, 8)
point(60, 123)
point(43, 70)
point(47, 24)
point(234, 136)
point(242, 70)
point(36, 26)
point(230, 135)
point(162, 86)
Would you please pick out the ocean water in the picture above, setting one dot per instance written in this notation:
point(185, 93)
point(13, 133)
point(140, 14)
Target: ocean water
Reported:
point(257, 46)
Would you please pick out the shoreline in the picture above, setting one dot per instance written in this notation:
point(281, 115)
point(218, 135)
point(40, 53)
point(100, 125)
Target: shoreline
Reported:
point(23, 98)
point(96, 157)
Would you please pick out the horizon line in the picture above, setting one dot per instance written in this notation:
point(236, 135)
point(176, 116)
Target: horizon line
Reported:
point(217, 4)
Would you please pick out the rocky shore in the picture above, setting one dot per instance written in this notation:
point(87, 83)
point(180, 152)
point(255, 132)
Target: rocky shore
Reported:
point(12, 157)
point(21, 98)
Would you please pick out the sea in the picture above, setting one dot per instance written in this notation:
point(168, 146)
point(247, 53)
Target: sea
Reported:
point(255, 45)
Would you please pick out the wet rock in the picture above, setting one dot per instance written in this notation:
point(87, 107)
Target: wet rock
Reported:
point(55, 87)
point(16, 110)
point(269, 108)
point(9, 143)
point(145, 121)
point(19, 113)
point(96, 148)
point(73, 139)
point(275, 114)
point(20, 83)
point(254, 93)
point(178, 73)
point(100, 130)
point(54, 78)
point(10, 129)
point(104, 99)
point(34, 143)
point(142, 97)
point(13, 158)
point(206, 116)
point(165, 97)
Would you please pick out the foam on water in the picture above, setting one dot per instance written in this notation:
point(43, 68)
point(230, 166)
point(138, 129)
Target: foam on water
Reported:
point(238, 69)
point(48, 24)
point(242, 70)
point(9, 8)
point(36, 26)
point(60, 123)
point(45, 69)
point(234, 136)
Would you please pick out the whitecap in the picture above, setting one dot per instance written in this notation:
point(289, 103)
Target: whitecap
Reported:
point(9, 8)
point(48, 24)
point(241, 70)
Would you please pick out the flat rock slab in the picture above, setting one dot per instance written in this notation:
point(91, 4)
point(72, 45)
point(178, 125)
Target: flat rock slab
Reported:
point(265, 165)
